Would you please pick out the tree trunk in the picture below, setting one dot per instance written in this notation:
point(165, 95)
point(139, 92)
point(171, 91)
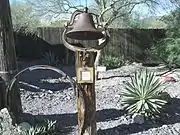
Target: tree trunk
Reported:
point(8, 63)
point(86, 98)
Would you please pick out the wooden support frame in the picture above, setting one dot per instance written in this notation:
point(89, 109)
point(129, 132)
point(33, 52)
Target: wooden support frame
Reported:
point(86, 96)
point(8, 62)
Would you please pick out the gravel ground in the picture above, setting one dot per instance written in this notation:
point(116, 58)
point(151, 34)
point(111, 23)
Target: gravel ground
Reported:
point(58, 102)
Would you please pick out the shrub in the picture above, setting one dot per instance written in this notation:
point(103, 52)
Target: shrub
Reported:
point(51, 58)
point(142, 95)
point(168, 49)
point(112, 62)
point(47, 128)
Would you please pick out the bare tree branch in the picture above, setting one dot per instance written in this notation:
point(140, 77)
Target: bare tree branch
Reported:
point(117, 9)
point(117, 6)
point(103, 12)
point(53, 8)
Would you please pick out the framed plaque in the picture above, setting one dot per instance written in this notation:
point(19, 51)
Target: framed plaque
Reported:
point(85, 75)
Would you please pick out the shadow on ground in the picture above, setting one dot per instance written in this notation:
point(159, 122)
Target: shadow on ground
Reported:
point(172, 116)
point(67, 123)
point(41, 80)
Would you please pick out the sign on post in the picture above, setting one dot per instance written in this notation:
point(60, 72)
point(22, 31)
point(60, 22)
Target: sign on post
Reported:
point(101, 68)
point(85, 75)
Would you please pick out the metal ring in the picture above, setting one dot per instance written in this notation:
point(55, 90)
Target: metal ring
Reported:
point(36, 67)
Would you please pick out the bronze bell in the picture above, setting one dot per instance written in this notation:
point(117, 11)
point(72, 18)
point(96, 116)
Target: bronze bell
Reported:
point(84, 28)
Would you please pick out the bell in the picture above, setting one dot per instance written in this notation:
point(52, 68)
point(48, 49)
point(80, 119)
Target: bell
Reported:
point(84, 28)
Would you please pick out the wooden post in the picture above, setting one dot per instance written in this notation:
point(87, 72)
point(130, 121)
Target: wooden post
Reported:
point(8, 63)
point(2, 93)
point(86, 97)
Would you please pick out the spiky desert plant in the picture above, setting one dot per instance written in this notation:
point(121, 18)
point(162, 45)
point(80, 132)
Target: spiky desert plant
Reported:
point(46, 128)
point(51, 58)
point(142, 95)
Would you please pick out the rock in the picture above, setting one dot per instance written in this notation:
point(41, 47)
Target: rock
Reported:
point(176, 75)
point(24, 126)
point(42, 95)
point(117, 96)
point(67, 98)
point(6, 127)
point(137, 64)
point(138, 118)
point(177, 127)
point(169, 79)
point(164, 126)
point(35, 96)
point(50, 92)
point(125, 120)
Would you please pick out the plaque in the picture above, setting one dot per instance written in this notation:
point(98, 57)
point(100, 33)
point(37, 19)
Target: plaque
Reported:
point(85, 75)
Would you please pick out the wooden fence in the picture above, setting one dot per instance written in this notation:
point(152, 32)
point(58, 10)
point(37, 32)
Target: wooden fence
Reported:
point(130, 43)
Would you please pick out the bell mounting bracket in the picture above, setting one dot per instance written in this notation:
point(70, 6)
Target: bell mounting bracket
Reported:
point(91, 48)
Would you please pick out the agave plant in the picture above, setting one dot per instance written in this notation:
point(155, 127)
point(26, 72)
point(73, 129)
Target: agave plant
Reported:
point(46, 128)
point(142, 95)
point(51, 58)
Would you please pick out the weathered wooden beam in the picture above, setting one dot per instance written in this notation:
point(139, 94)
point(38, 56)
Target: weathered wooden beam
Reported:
point(86, 97)
point(2, 93)
point(8, 63)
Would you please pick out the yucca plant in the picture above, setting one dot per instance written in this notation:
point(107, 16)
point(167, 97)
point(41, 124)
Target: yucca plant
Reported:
point(142, 95)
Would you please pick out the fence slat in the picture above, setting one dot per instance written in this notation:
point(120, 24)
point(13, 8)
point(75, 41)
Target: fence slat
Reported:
point(128, 42)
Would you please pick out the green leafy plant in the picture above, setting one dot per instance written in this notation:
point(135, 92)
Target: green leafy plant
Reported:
point(112, 62)
point(24, 19)
point(143, 95)
point(47, 128)
point(51, 58)
point(167, 50)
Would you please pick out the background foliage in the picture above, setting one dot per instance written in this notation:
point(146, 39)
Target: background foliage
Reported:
point(28, 15)
point(112, 62)
point(24, 18)
point(167, 50)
